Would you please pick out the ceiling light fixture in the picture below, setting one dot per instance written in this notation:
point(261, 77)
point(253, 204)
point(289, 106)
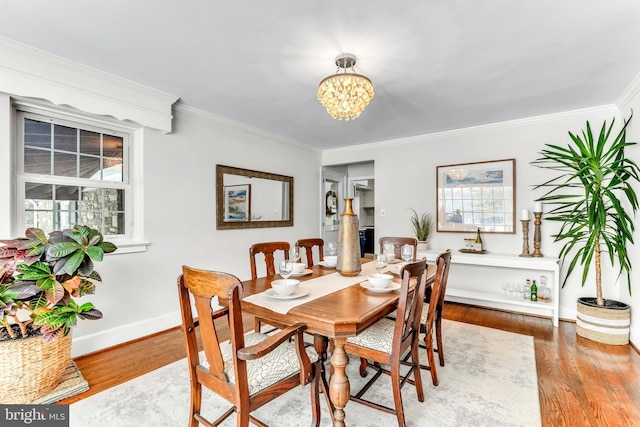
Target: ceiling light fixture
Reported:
point(345, 95)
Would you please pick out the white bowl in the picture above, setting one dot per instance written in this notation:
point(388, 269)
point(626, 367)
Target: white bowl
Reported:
point(298, 267)
point(390, 257)
point(285, 287)
point(331, 260)
point(380, 281)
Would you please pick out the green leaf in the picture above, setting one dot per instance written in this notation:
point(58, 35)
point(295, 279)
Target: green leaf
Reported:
point(62, 249)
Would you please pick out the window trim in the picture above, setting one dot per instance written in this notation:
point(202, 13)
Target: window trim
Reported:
point(132, 240)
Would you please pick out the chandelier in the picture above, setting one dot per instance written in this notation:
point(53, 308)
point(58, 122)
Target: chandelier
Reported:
point(345, 95)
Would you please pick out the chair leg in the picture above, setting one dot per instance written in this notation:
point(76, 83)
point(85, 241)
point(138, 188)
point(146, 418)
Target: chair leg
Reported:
point(428, 341)
point(397, 394)
point(440, 348)
point(242, 416)
point(256, 325)
point(195, 404)
point(417, 375)
point(315, 397)
point(363, 367)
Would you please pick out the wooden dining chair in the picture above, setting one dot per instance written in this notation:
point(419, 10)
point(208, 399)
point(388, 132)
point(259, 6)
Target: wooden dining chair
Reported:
point(444, 278)
point(308, 245)
point(386, 342)
point(248, 370)
point(269, 250)
point(397, 243)
point(429, 315)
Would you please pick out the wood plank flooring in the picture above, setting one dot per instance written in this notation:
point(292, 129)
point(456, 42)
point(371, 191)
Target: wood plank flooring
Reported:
point(581, 383)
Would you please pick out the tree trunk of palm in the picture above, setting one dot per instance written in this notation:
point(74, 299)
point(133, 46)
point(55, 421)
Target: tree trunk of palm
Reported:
point(599, 299)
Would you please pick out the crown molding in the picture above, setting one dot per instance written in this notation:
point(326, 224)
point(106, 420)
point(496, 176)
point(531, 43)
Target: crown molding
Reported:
point(629, 94)
point(223, 121)
point(610, 109)
point(29, 72)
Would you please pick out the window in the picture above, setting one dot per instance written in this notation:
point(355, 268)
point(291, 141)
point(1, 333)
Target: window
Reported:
point(72, 170)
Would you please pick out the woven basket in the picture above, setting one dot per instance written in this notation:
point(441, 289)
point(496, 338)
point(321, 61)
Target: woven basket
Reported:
point(607, 325)
point(31, 368)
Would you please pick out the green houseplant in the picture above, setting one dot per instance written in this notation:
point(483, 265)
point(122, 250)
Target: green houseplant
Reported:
point(590, 198)
point(422, 227)
point(40, 277)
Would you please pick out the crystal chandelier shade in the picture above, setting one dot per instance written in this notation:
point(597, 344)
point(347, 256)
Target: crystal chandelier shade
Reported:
point(345, 95)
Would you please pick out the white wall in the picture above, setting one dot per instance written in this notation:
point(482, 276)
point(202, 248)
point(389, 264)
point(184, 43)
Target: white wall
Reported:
point(138, 295)
point(523, 139)
point(630, 101)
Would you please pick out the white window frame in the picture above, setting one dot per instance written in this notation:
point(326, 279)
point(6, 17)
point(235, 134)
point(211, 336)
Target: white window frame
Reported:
point(132, 240)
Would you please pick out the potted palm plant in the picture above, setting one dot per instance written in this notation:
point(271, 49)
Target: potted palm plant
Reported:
point(422, 227)
point(595, 202)
point(39, 278)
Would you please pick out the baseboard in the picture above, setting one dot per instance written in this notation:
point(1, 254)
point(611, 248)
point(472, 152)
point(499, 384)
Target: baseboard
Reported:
point(111, 337)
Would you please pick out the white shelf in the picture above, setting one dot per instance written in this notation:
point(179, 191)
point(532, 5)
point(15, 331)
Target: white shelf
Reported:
point(487, 272)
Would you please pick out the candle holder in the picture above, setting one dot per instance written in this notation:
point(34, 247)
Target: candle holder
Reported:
point(536, 234)
point(525, 238)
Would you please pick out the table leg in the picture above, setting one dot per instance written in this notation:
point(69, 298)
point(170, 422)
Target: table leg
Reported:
point(339, 388)
point(320, 344)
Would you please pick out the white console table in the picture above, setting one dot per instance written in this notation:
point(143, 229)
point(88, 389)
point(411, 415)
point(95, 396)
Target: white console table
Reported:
point(476, 279)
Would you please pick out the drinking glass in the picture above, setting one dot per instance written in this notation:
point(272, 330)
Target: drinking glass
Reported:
point(380, 263)
point(286, 269)
point(407, 253)
point(332, 248)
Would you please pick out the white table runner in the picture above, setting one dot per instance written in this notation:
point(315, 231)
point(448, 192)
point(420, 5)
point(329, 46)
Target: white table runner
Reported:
point(318, 287)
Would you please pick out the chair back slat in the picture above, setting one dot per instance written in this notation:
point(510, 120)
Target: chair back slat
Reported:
point(204, 286)
point(410, 304)
point(308, 245)
point(268, 249)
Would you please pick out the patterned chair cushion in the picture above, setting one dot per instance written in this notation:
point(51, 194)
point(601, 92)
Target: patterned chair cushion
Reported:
point(267, 370)
point(425, 313)
point(378, 336)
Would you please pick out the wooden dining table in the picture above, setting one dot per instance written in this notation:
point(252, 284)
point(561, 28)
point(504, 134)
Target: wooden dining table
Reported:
point(337, 316)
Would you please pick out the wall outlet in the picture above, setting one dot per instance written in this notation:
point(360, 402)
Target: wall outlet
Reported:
point(382, 212)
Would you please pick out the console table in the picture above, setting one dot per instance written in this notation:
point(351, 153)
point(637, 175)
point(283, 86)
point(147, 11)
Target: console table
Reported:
point(477, 279)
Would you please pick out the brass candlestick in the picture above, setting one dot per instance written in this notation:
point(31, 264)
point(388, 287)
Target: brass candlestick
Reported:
point(536, 234)
point(525, 238)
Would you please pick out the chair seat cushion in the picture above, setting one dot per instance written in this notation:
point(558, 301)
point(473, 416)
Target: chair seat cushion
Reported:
point(378, 336)
point(268, 370)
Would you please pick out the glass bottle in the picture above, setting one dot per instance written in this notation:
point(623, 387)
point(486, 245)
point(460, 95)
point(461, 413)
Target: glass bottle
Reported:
point(478, 241)
point(534, 291)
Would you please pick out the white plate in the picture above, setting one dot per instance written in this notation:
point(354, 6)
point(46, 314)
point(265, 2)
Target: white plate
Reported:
point(324, 264)
point(392, 287)
point(299, 293)
point(302, 273)
point(394, 261)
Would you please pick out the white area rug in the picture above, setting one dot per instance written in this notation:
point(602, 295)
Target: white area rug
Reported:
point(489, 380)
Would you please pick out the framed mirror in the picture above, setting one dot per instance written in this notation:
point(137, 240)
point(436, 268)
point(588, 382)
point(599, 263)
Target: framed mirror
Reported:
point(252, 199)
point(476, 195)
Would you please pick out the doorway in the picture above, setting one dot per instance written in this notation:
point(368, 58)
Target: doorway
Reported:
point(355, 181)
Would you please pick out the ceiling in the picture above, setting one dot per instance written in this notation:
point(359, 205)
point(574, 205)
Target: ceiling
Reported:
point(435, 65)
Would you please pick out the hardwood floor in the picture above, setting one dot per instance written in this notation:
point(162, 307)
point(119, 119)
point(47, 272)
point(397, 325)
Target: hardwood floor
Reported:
point(581, 383)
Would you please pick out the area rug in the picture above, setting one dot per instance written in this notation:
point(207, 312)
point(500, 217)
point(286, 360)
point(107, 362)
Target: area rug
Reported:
point(489, 380)
point(71, 383)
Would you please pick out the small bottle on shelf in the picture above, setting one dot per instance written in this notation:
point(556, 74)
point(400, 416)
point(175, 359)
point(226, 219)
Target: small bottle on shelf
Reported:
point(478, 246)
point(534, 291)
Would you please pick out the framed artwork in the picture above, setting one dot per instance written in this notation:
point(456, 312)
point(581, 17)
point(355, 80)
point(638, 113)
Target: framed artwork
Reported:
point(476, 195)
point(237, 202)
